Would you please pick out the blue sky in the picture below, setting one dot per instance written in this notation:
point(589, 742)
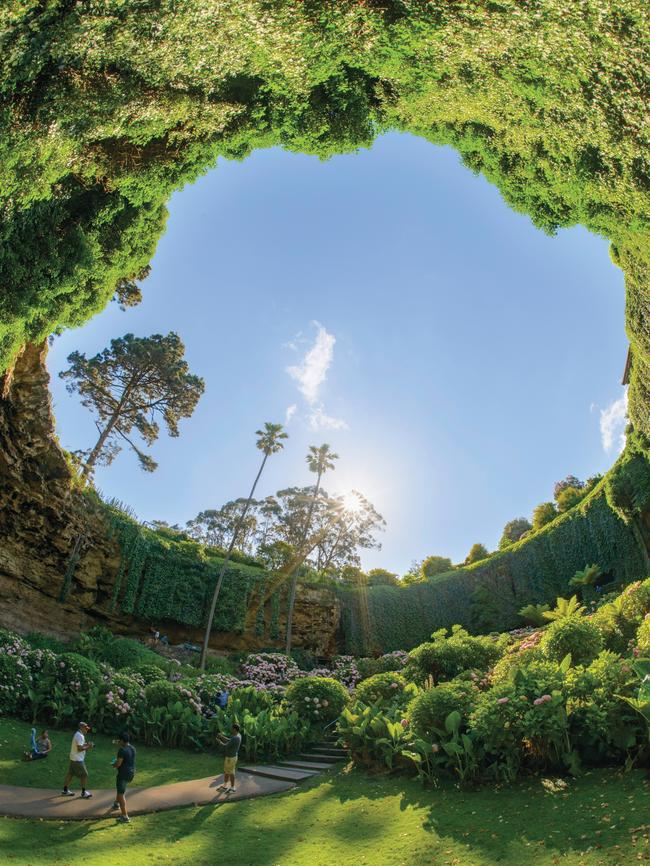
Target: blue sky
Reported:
point(458, 359)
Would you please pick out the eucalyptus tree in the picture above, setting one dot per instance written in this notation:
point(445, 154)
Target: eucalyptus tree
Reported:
point(319, 460)
point(130, 386)
point(269, 441)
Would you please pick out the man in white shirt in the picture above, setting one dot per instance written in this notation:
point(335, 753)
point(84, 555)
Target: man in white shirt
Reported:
point(77, 766)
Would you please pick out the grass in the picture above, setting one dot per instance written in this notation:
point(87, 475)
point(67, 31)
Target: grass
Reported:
point(155, 766)
point(350, 819)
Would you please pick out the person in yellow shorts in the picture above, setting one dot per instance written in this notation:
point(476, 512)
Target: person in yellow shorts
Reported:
point(232, 745)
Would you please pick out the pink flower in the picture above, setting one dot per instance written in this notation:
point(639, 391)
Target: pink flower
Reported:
point(404, 723)
point(435, 748)
point(503, 700)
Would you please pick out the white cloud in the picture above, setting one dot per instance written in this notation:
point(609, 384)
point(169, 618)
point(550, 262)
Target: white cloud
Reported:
point(311, 372)
point(291, 411)
point(320, 420)
point(612, 424)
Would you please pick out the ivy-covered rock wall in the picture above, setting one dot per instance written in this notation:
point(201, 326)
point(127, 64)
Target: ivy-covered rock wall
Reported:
point(68, 561)
point(610, 531)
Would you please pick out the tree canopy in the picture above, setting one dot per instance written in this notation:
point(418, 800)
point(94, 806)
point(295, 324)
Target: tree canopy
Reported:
point(131, 385)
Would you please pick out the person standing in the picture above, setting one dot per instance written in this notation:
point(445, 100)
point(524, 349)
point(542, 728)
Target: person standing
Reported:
point(125, 766)
point(232, 745)
point(77, 765)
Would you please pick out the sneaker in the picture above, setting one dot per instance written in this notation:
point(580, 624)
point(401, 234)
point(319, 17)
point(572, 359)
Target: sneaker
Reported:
point(222, 788)
point(65, 793)
point(231, 790)
point(85, 795)
point(124, 819)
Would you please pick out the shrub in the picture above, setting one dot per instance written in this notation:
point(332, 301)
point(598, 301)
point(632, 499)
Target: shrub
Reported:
point(270, 670)
point(619, 619)
point(428, 711)
point(446, 657)
point(45, 642)
point(321, 699)
point(384, 688)
point(574, 635)
point(147, 673)
point(602, 726)
point(15, 680)
point(375, 736)
point(160, 693)
point(250, 699)
point(523, 720)
point(346, 671)
point(78, 674)
point(643, 639)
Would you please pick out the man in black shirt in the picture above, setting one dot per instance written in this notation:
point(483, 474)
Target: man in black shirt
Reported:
point(125, 766)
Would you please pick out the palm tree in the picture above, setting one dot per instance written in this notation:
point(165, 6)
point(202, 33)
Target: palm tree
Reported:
point(269, 441)
point(319, 460)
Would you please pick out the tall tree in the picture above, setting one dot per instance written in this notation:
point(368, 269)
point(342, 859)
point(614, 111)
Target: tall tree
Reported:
point(319, 461)
point(130, 385)
point(215, 527)
point(269, 441)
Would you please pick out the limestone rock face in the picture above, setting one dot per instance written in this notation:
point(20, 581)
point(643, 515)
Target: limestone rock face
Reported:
point(41, 518)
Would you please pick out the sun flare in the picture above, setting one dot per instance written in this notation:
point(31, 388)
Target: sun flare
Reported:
point(352, 501)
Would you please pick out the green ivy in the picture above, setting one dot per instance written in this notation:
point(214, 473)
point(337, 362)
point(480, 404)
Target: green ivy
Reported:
point(534, 570)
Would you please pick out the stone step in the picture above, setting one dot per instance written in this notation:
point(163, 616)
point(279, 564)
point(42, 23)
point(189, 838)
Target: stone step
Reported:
point(287, 774)
point(306, 765)
point(334, 753)
point(323, 759)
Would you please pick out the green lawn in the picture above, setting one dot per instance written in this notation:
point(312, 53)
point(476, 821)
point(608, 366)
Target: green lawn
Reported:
point(350, 819)
point(156, 766)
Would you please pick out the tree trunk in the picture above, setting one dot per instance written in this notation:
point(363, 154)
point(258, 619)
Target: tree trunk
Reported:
point(294, 575)
point(222, 570)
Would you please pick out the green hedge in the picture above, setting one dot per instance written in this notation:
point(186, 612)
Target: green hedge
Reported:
point(537, 569)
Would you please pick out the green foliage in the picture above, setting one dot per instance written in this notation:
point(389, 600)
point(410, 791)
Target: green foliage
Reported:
point(389, 687)
point(447, 656)
point(569, 497)
point(643, 639)
point(587, 577)
point(165, 578)
point(160, 692)
point(543, 514)
point(476, 553)
point(130, 386)
point(533, 614)
point(513, 531)
point(147, 673)
point(428, 711)
point(433, 565)
point(533, 571)
point(574, 636)
point(524, 722)
point(564, 608)
point(375, 736)
point(318, 699)
point(381, 577)
point(602, 728)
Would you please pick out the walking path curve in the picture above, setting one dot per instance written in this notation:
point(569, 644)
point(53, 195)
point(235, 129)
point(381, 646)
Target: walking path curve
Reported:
point(51, 805)
point(252, 781)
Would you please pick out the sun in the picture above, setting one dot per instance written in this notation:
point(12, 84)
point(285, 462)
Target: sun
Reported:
point(352, 501)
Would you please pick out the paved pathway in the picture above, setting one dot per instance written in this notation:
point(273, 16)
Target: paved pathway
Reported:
point(252, 781)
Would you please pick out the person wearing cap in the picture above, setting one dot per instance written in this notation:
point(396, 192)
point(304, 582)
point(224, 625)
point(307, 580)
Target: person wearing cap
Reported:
point(77, 765)
point(124, 763)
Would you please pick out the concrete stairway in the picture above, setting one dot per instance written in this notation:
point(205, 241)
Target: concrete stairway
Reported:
point(322, 756)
